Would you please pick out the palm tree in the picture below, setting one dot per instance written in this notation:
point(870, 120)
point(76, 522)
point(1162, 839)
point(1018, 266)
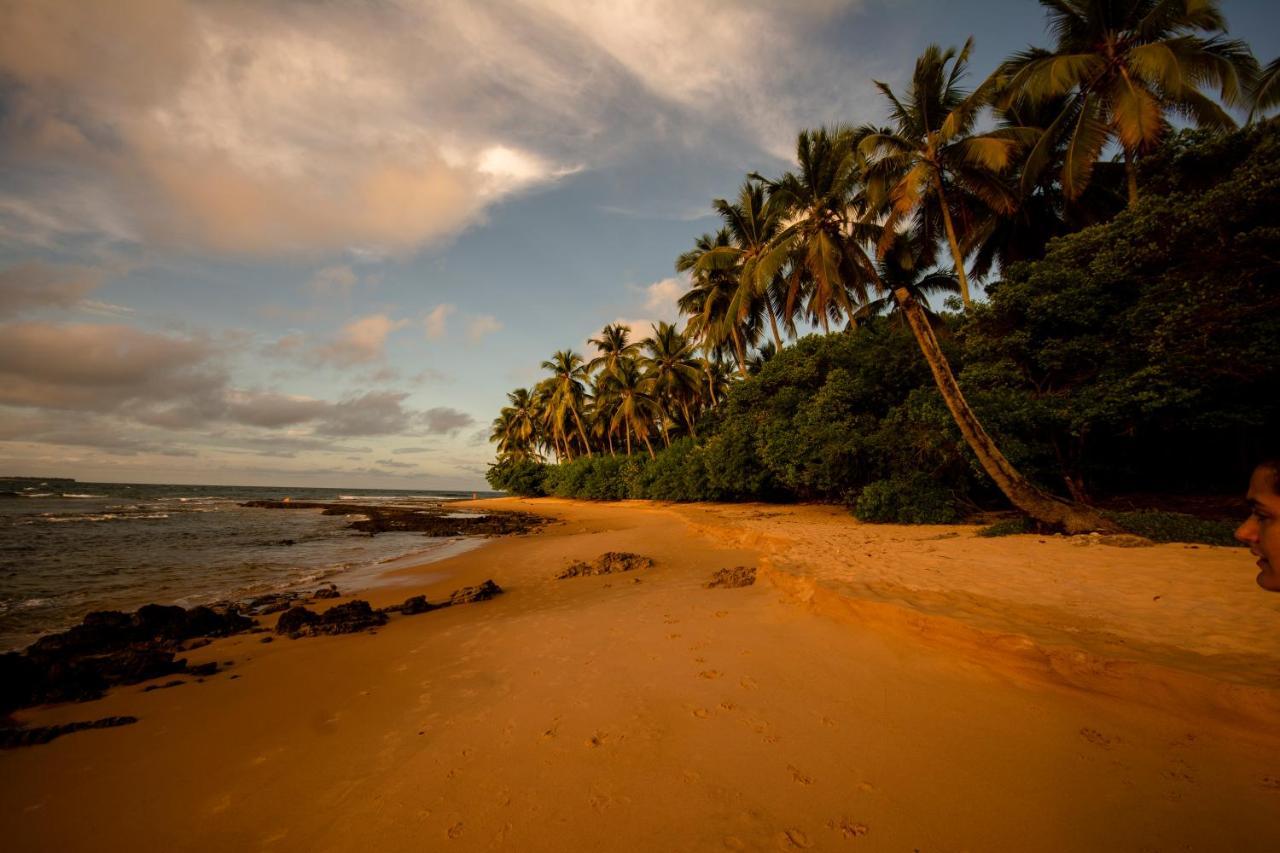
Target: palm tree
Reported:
point(1121, 66)
point(930, 160)
point(568, 394)
point(635, 409)
point(671, 366)
point(1265, 93)
point(752, 254)
point(762, 356)
point(902, 266)
point(709, 302)
point(516, 428)
point(816, 201)
point(613, 344)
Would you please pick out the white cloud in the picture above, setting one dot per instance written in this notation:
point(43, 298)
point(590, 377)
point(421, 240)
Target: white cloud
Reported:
point(334, 281)
point(34, 285)
point(660, 297)
point(360, 341)
point(321, 127)
point(481, 325)
point(434, 322)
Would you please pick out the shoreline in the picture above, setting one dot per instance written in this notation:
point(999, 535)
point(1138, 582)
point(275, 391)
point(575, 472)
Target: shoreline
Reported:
point(642, 711)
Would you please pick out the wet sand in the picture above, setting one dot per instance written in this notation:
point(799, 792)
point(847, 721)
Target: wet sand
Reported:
point(878, 688)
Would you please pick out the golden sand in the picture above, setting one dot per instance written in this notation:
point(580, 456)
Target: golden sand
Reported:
point(878, 688)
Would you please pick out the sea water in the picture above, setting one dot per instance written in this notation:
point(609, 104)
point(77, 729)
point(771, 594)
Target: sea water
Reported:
point(69, 547)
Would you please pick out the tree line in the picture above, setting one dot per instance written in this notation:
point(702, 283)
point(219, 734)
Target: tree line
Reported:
point(877, 219)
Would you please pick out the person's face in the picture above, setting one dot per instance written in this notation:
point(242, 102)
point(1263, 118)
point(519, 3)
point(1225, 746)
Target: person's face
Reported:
point(1261, 530)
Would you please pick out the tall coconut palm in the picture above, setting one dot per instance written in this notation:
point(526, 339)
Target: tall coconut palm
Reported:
point(709, 302)
point(931, 160)
point(516, 428)
point(816, 201)
point(753, 254)
point(635, 410)
point(1122, 66)
point(568, 394)
point(1265, 92)
point(613, 344)
point(903, 266)
point(670, 363)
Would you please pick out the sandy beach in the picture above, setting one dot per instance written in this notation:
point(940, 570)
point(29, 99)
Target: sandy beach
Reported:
point(878, 688)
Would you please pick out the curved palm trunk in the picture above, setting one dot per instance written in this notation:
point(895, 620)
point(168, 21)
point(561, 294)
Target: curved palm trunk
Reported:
point(645, 436)
point(1043, 507)
point(688, 421)
point(586, 445)
point(952, 241)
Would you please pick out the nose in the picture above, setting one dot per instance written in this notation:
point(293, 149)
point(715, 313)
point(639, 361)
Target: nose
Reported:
point(1248, 532)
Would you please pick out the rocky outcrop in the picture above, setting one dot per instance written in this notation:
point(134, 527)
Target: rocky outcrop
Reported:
point(344, 619)
point(106, 649)
point(468, 594)
point(436, 520)
point(13, 737)
point(730, 578)
point(607, 563)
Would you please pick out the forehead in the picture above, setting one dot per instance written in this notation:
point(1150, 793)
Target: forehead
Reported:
point(1262, 487)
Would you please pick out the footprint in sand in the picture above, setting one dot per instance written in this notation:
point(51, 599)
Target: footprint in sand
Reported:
point(847, 828)
point(1096, 738)
point(798, 777)
point(701, 713)
point(727, 706)
point(732, 842)
point(793, 839)
point(597, 740)
point(673, 636)
point(747, 683)
point(1271, 782)
point(709, 673)
point(455, 830)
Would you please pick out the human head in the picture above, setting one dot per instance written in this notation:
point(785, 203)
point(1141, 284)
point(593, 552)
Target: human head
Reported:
point(1261, 530)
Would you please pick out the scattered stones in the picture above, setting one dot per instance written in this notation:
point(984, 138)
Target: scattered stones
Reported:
point(415, 605)
point(11, 738)
point(203, 669)
point(468, 594)
point(274, 602)
point(607, 563)
point(330, 591)
point(175, 683)
point(295, 619)
point(731, 578)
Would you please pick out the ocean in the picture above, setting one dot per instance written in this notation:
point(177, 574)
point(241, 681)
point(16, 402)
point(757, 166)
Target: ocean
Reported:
point(69, 547)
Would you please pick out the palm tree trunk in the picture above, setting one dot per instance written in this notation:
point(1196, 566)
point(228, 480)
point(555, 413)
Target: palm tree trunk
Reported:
point(1043, 507)
point(773, 324)
point(1131, 175)
point(738, 351)
point(626, 430)
point(688, 421)
point(645, 436)
point(952, 241)
point(586, 445)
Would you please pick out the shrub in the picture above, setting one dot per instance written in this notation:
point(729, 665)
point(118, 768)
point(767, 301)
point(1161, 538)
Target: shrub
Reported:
point(1009, 527)
point(911, 499)
point(518, 477)
point(1175, 527)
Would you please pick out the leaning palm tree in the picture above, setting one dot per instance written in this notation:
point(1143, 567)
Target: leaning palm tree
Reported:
point(903, 266)
point(670, 364)
point(516, 428)
point(568, 394)
point(930, 160)
point(1122, 66)
point(753, 254)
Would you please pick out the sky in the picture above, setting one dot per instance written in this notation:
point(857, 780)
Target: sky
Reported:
point(298, 242)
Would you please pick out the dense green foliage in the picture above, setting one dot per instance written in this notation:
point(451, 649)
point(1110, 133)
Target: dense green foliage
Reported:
point(1138, 354)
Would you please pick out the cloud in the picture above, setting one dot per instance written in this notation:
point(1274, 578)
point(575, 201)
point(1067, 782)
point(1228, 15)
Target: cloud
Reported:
point(34, 285)
point(109, 436)
point(391, 463)
point(434, 322)
point(481, 325)
point(400, 451)
point(660, 297)
point(443, 419)
point(317, 127)
point(360, 341)
point(372, 413)
point(334, 281)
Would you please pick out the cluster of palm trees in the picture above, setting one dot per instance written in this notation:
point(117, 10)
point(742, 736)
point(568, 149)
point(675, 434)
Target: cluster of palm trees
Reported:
point(632, 395)
point(877, 218)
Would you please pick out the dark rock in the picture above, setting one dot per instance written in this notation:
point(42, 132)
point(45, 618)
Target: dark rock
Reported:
point(329, 591)
point(349, 618)
point(607, 563)
point(436, 520)
point(267, 639)
point(415, 605)
point(730, 578)
point(274, 602)
point(295, 619)
point(203, 669)
point(11, 738)
point(468, 594)
point(196, 644)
